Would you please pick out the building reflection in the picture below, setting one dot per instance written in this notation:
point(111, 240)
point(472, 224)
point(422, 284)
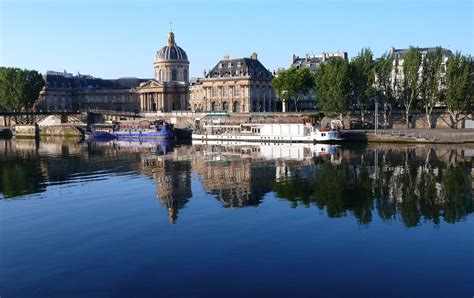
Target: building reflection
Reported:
point(411, 184)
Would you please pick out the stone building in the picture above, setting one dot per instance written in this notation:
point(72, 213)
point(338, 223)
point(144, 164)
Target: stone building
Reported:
point(168, 91)
point(64, 91)
point(314, 61)
point(235, 85)
point(399, 56)
point(196, 95)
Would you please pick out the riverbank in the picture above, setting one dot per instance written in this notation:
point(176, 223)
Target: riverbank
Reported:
point(432, 136)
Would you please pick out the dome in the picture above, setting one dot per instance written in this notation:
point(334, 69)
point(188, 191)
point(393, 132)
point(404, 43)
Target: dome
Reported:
point(171, 52)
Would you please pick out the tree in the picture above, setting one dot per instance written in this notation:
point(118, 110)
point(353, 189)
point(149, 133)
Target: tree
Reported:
point(293, 83)
point(362, 79)
point(458, 93)
point(19, 88)
point(384, 92)
point(430, 90)
point(332, 86)
point(410, 84)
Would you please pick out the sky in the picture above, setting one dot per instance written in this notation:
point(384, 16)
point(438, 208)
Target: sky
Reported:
point(112, 39)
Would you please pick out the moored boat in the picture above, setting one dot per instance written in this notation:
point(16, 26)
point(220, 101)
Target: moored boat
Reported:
point(132, 130)
point(145, 130)
point(307, 130)
point(100, 131)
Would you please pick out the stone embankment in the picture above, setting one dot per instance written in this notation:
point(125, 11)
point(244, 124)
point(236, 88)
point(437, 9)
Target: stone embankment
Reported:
point(31, 131)
point(451, 136)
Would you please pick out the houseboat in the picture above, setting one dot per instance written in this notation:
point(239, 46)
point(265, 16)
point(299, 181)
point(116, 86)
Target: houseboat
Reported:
point(132, 130)
point(307, 130)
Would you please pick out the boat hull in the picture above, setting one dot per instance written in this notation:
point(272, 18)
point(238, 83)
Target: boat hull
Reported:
point(99, 135)
point(324, 137)
point(145, 135)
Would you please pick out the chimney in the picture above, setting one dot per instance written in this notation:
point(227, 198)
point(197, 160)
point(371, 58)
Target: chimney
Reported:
point(253, 56)
point(226, 57)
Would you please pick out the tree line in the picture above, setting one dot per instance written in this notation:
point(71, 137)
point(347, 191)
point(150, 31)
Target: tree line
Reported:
point(19, 88)
point(421, 83)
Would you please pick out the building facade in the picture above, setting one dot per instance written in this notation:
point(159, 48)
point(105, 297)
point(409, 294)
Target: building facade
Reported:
point(67, 92)
point(313, 62)
point(239, 85)
point(398, 55)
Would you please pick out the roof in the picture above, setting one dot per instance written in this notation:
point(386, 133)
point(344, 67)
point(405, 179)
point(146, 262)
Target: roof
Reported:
point(82, 82)
point(240, 67)
point(444, 51)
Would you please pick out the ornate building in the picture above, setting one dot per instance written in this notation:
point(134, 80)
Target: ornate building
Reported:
point(168, 91)
point(235, 85)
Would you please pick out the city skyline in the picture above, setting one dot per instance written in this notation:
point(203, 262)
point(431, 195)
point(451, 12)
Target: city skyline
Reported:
point(112, 40)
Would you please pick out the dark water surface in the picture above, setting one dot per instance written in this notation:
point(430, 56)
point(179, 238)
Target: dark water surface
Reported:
point(155, 219)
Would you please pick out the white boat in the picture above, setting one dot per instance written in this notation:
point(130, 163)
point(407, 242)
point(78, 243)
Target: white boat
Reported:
point(269, 132)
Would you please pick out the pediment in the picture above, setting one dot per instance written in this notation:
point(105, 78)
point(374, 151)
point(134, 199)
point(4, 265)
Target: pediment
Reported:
point(150, 84)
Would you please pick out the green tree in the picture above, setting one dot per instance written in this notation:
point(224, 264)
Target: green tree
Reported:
point(332, 86)
point(292, 84)
point(430, 89)
point(19, 88)
point(411, 83)
point(384, 92)
point(362, 79)
point(459, 91)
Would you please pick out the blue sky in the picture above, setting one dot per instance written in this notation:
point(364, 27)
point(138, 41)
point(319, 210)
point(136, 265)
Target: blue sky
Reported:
point(112, 39)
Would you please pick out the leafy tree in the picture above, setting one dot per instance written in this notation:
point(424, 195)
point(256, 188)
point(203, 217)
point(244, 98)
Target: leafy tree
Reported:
point(332, 86)
point(362, 79)
point(431, 82)
point(384, 92)
point(410, 84)
point(19, 88)
point(459, 91)
point(292, 84)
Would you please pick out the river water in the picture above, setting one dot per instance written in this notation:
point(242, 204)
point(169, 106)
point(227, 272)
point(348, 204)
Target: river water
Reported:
point(160, 219)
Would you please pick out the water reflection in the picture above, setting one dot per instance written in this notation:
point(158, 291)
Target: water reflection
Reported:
point(415, 184)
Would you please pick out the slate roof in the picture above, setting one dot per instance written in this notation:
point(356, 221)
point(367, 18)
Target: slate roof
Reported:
point(444, 52)
point(87, 82)
point(240, 67)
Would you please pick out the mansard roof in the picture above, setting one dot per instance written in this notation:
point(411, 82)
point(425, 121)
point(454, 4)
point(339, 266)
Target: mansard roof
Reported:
point(444, 51)
point(84, 81)
point(240, 67)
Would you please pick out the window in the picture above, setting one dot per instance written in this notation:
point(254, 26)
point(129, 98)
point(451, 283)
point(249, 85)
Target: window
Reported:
point(213, 91)
point(185, 74)
point(224, 91)
point(174, 75)
point(224, 106)
point(236, 90)
point(161, 75)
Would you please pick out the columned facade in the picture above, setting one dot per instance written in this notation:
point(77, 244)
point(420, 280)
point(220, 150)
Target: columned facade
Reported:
point(168, 91)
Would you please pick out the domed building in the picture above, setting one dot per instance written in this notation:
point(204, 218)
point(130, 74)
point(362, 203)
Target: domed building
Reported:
point(168, 91)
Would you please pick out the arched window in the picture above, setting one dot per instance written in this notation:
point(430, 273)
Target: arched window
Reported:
point(237, 107)
point(225, 106)
point(174, 75)
point(213, 106)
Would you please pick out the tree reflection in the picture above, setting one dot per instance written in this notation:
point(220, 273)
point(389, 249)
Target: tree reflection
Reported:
point(395, 184)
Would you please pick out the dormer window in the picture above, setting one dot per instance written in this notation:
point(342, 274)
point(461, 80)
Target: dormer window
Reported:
point(239, 64)
point(220, 65)
point(229, 65)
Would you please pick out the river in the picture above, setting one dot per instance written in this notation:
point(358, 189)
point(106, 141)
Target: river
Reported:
point(162, 219)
